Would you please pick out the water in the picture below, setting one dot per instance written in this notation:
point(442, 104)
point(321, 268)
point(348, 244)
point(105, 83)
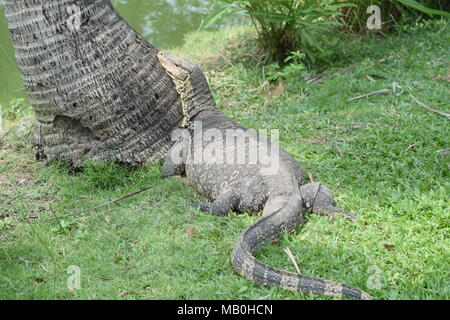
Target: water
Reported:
point(162, 22)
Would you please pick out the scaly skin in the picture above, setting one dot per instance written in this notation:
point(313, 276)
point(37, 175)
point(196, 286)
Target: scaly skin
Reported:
point(283, 197)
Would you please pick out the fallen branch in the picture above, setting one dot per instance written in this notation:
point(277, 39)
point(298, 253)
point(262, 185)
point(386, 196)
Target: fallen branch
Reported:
point(28, 262)
point(103, 205)
point(317, 78)
point(323, 76)
point(291, 256)
point(378, 62)
point(346, 70)
point(423, 105)
point(384, 91)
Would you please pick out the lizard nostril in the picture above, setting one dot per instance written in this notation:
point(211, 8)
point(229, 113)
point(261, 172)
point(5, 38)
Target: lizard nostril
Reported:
point(157, 96)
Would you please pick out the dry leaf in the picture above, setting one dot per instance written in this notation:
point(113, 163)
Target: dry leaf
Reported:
point(276, 91)
point(21, 181)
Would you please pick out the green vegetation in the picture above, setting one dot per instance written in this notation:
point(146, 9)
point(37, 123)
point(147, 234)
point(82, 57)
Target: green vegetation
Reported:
point(393, 12)
point(15, 109)
point(286, 26)
point(289, 25)
point(379, 155)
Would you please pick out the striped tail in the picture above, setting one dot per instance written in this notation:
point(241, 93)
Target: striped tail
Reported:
point(243, 261)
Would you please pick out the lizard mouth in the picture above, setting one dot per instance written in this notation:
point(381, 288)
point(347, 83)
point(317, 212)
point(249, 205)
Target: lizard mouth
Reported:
point(174, 69)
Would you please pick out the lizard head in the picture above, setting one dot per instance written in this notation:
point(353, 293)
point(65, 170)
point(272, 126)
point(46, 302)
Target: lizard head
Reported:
point(178, 68)
point(186, 74)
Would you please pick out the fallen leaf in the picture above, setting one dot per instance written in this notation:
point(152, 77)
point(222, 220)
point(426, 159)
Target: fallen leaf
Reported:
point(190, 231)
point(107, 219)
point(276, 91)
point(389, 246)
point(411, 146)
point(21, 181)
point(122, 294)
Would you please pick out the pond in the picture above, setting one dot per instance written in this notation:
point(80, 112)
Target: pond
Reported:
point(162, 22)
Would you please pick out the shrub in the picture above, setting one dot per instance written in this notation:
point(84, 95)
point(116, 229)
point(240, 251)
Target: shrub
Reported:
point(393, 12)
point(15, 109)
point(285, 26)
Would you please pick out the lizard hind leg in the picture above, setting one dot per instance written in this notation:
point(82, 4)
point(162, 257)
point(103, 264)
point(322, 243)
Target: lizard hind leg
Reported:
point(178, 155)
point(172, 169)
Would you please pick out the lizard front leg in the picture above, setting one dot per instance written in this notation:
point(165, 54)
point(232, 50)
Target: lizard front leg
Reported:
point(226, 201)
point(177, 156)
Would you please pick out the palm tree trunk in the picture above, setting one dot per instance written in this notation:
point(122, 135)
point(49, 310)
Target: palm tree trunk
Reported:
point(96, 86)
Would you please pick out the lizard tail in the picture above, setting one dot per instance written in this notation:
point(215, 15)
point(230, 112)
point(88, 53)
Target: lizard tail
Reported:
point(269, 229)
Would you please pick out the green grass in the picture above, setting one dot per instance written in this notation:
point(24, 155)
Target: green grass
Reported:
point(379, 156)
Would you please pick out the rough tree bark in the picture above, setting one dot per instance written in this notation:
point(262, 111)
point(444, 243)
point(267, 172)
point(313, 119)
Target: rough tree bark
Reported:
point(96, 86)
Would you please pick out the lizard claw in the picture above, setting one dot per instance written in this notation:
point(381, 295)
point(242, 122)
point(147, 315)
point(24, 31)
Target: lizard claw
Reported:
point(349, 215)
point(193, 204)
point(203, 206)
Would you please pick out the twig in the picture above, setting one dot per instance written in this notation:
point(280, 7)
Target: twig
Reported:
point(291, 256)
point(444, 152)
point(40, 240)
point(423, 105)
point(310, 176)
point(396, 86)
point(104, 204)
point(384, 91)
point(346, 70)
point(370, 78)
point(412, 145)
point(28, 262)
point(320, 77)
point(378, 62)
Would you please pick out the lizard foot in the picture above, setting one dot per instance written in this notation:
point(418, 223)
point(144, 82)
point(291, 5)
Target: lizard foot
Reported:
point(210, 207)
point(338, 211)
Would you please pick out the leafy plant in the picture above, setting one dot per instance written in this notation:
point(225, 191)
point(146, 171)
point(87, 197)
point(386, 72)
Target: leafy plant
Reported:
point(15, 109)
point(286, 26)
point(393, 12)
point(6, 223)
point(294, 68)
